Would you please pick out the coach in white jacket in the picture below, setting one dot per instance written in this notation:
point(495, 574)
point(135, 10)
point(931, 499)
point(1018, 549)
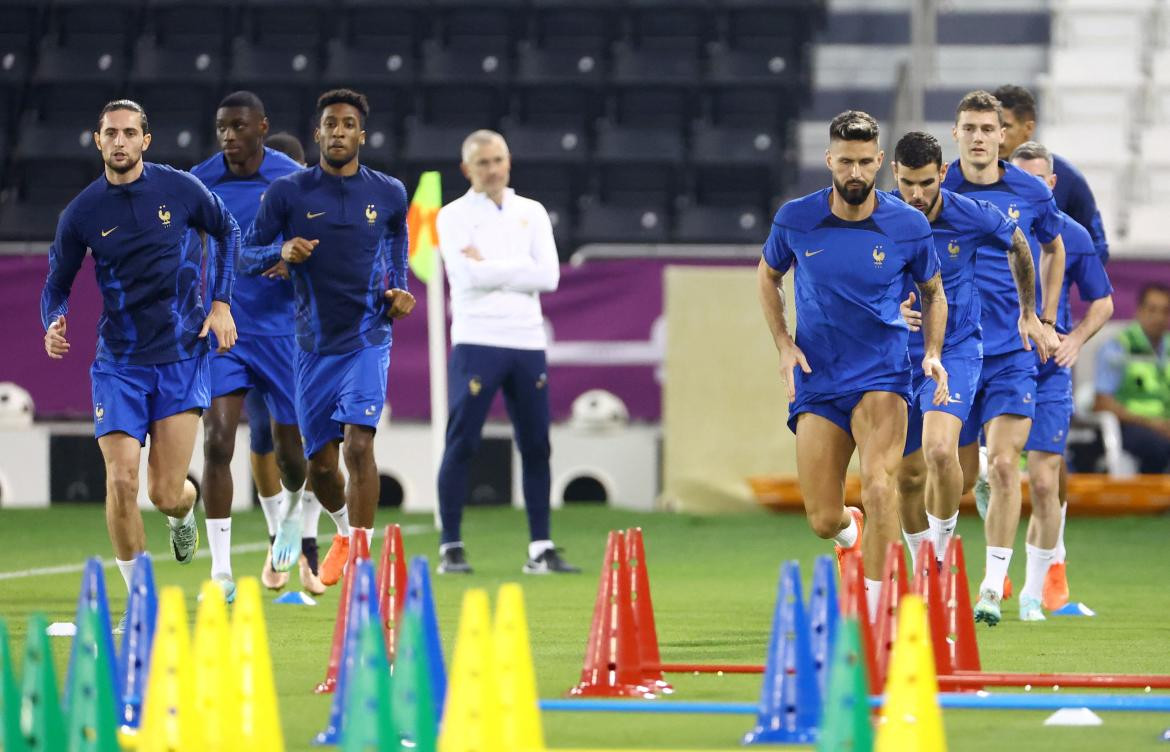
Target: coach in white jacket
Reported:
point(499, 254)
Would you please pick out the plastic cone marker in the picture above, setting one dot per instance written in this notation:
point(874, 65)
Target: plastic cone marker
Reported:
point(392, 585)
point(412, 700)
point(846, 726)
point(216, 679)
point(10, 737)
point(363, 607)
point(170, 720)
point(358, 551)
point(893, 589)
point(420, 598)
point(823, 610)
point(471, 721)
point(369, 720)
point(41, 723)
point(91, 721)
point(520, 727)
point(911, 720)
point(92, 597)
point(644, 614)
point(137, 643)
point(960, 616)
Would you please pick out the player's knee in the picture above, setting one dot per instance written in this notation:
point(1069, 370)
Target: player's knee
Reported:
point(1003, 468)
point(358, 450)
point(122, 481)
point(165, 495)
point(911, 483)
point(824, 525)
point(1045, 486)
point(939, 456)
point(218, 445)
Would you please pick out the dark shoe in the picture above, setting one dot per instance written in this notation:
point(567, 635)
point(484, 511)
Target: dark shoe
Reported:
point(453, 561)
point(549, 562)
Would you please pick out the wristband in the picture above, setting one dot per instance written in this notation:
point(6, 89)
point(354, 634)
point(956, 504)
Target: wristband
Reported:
point(1049, 322)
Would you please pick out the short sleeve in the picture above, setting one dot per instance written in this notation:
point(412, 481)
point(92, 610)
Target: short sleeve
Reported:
point(777, 253)
point(924, 262)
point(999, 229)
point(1090, 277)
point(1049, 220)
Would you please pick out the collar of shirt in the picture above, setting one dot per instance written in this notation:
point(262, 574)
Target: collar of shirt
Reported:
point(137, 186)
point(482, 199)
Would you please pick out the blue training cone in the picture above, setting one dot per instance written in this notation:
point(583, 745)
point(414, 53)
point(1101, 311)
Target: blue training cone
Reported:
point(92, 598)
point(823, 611)
point(420, 599)
point(295, 598)
point(790, 703)
point(1074, 609)
point(363, 608)
point(134, 660)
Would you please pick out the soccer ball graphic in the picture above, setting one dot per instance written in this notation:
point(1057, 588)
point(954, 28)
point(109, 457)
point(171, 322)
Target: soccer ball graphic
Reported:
point(16, 406)
point(598, 409)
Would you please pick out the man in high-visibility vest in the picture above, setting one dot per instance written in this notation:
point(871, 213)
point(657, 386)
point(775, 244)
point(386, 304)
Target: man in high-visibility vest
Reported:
point(1133, 380)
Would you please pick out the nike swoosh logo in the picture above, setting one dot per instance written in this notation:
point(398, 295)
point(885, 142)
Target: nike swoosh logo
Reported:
point(813, 253)
point(311, 215)
point(107, 232)
point(225, 530)
point(1001, 558)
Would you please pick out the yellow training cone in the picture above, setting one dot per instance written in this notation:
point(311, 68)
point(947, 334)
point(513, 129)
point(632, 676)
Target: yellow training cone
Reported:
point(519, 710)
point(911, 720)
point(170, 719)
point(259, 720)
point(471, 715)
point(216, 688)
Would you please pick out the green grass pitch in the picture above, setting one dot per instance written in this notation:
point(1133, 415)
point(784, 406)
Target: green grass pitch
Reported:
point(713, 581)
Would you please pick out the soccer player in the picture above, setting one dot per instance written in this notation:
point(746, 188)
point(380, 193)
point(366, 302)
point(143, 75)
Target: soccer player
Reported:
point(930, 480)
point(151, 371)
point(1006, 400)
point(344, 230)
point(262, 359)
point(1054, 404)
point(1072, 193)
point(852, 248)
point(499, 254)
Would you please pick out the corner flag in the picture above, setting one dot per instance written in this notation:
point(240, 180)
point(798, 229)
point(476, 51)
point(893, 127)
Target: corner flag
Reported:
point(420, 222)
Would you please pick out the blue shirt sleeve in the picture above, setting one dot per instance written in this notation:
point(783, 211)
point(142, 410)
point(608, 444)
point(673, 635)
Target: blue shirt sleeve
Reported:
point(1048, 221)
point(65, 256)
point(1110, 367)
point(1088, 273)
point(777, 253)
point(924, 263)
point(210, 215)
point(1081, 205)
point(999, 228)
point(395, 244)
point(260, 250)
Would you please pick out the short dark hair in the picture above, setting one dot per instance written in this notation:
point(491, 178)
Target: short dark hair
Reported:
point(242, 99)
point(1033, 150)
point(979, 101)
point(853, 125)
point(287, 143)
point(1018, 100)
point(344, 96)
point(1151, 287)
point(124, 104)
point(917, 149)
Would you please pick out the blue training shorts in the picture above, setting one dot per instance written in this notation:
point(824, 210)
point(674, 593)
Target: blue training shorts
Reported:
point(1007, 386)
point(128, 398)
point(963, 379)
point(333, 390)
point(264, 364)
point(1054, 409)
point(835, 407)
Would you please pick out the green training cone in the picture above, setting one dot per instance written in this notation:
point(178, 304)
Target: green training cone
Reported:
point(41, 723)
point(369, 724)
point(414, 712)
point(90, 725)
point(846, 725)
point(11, 740)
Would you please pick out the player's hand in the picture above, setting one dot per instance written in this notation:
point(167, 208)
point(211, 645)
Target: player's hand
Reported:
point(55, 343)
point(1068, 351)
point(790, 357)
point(296, 250)
point(399, 303)
point(912, 317)
point(472, 253)
point(220, 322)
point(279, 270)
point(933, 369)
point(1042, 335)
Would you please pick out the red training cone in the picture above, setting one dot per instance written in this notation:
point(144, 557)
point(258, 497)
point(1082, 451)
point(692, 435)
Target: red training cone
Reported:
point(358, 549)
point(927, 586)
point(613, 667)
point(853, 605)
point(893, 588)
point(960, 617)
point(644, 614)
point(391, 587)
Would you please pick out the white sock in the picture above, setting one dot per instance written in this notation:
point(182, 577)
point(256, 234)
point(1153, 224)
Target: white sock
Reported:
point(310, 515)
point(998, 560)
point(341, 519)
point(369, 531)
point(1039, 559)
point(944, 530)
point(292, 501)
point(914, 542)
point(177, 522)
point(272, 514)
point(445, 547)
point(538, 547)
point(847, 537)
point(219, 538)
point(127, 570)
point(873, 594)
point(1059, 551)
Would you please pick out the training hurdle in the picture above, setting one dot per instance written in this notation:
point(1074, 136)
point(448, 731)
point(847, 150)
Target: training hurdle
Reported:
point(947, 700)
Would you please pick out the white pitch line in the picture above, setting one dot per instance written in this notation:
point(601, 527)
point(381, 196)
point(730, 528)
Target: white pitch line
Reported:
point(203, 553)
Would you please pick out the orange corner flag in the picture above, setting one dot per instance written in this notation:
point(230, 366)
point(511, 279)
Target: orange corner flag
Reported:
point(420, 221)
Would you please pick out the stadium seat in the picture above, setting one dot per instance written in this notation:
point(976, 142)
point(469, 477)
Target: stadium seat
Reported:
point(299, 23)
point(549, 184)
point(382, 143)
point(391, 62)
point(776, 28)
point(638, 144)
point(652, 106)
point(28, 222)
point(655, 67)
point(396, 24)
point(638, 184)
point(179, 145)
point(57, 141)
point(728, 67)
point(713, 145)
point(546, 144)
point(443, 65)
point(83, 23)
point(570, 26)
point(564, 67)
point(177, 84)
point(187, 24)
point(720, 224)
point(484, 26)
point(735, 185)
point(469, 106)
point(556, 105)
point(428, 144)
point(608, 223)
point(80, 64)
point(766, 107)
point(52, 181)
point(282, 63)
point(562, 226)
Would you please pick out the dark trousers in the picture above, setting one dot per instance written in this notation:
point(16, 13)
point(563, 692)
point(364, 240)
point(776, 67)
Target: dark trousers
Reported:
point(474, 374)
point(1151, 448)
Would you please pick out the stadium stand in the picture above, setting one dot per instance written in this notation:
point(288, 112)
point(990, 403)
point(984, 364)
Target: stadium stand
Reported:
point(634, 120)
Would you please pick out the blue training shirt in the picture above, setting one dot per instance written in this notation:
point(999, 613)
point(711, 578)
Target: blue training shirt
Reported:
point(260, 306)
point(962, 226)
point(149, 276)
point(1075, 198)
point(848, 279)
point(1027, 200)
point(360, 222)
